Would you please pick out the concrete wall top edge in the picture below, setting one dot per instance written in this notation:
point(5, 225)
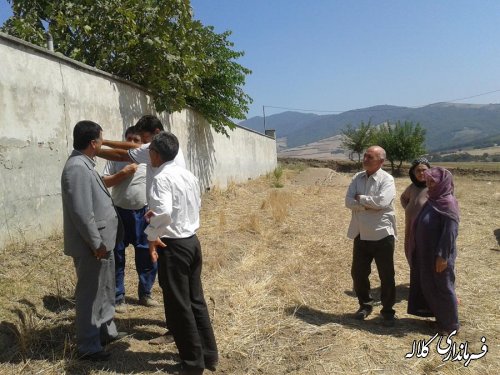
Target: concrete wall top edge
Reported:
point(57, 56)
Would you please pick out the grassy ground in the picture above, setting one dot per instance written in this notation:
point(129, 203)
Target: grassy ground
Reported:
point(277, 282)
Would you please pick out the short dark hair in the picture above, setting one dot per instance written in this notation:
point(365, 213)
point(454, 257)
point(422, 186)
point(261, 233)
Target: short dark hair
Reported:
point(148, 123)
point(84, 132)
point(166, 144)
point(130, 130)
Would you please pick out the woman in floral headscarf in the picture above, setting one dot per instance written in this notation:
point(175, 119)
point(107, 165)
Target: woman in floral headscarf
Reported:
point(414, 197)
point(433, 252)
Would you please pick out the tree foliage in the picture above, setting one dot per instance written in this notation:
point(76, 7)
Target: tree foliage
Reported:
point(155, 43)
point(357, 140)
point(401, 142)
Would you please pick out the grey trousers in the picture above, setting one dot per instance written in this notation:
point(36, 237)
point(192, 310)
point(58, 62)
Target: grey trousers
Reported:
point(95, 298)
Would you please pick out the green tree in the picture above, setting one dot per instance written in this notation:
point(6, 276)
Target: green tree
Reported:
point(357, 140)
point(221, 97)
point(401, 142)
point(155, 43)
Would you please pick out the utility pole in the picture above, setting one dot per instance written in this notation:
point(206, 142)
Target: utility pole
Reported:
point(264, 113)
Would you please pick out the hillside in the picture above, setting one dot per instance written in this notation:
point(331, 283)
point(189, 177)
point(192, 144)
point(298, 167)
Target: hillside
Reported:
point(324, 149)
point(448, 125)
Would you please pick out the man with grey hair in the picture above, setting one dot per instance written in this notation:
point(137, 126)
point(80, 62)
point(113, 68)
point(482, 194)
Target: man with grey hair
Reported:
point(370, 197)
point(174, 218)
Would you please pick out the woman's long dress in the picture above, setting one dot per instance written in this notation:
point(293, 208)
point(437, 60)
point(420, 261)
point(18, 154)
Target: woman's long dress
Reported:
point(433, 293)
point(412, 200)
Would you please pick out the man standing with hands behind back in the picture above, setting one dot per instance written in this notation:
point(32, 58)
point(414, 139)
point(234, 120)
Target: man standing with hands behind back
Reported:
point(370, 197)
point(91, 228)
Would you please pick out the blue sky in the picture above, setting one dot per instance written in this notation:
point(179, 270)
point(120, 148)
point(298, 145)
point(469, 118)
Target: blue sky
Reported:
point(337, 55)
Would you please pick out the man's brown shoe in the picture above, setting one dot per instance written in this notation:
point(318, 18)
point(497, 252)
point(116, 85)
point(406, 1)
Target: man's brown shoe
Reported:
point(164, 339)
point(148, 302)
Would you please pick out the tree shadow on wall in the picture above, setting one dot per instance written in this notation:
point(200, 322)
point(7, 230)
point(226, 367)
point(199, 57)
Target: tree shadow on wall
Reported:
point(201, 151)
point(134, 103)
point(200, 155)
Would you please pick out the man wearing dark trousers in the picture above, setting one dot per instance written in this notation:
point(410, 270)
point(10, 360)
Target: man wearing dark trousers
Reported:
point(174, 203)
point(370, 197)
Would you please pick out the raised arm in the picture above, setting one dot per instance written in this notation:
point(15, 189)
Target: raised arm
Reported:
point(123, 145)
point(114, 154)
point(111, 180)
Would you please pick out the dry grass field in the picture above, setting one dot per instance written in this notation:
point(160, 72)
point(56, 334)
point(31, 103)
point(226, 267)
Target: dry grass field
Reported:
point(277, 281)
point(494, 150)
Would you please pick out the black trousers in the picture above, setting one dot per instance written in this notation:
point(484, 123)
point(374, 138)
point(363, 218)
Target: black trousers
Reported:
point(363, 254)
point(179, 271)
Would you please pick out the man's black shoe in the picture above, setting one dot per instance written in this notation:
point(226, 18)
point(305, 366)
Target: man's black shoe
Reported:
point(211, 365)
point(110, 339)
point(362, 313)
point(96, 357)
point(389, 321)
point(181, 369)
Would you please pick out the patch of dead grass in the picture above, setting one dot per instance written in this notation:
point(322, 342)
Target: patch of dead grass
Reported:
point(277, 281)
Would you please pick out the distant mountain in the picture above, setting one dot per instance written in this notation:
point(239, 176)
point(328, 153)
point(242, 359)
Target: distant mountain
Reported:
point(284, 123)
point(448, 125)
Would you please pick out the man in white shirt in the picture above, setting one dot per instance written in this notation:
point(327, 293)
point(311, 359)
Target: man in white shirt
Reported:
point(128, 181)
point(370, 197)
point(174, 203)
point(147, 127)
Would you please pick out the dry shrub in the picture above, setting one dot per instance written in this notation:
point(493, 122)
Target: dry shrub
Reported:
point(314, 190)
point(231, 189)
point(278, 201)
point(251, 223)
point(222, 220)
point(219, 194)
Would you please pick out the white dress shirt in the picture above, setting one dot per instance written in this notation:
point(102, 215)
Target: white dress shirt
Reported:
point(141, 155)
point(175, 200)
point(373, 216)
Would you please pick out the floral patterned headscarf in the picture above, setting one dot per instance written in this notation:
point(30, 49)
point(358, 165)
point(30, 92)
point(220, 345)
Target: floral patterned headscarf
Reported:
point(441, 195)
point(414, 164)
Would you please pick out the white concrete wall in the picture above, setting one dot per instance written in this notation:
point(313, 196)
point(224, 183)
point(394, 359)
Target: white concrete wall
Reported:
point(42, 96)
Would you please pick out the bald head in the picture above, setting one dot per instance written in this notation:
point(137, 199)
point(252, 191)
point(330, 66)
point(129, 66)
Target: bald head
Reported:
point(373, 159)
point(378, 150)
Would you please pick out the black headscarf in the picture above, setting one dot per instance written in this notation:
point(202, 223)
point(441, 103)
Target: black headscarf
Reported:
point(412, 169)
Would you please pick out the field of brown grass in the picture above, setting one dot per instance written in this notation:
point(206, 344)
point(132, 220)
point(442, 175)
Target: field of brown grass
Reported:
point(494, 150)
point(277, 282)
